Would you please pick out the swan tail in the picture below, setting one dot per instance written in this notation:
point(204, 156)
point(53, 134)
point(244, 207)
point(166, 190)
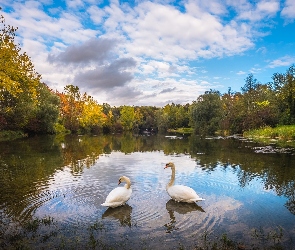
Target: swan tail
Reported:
point(199, 199)
point(105, 204)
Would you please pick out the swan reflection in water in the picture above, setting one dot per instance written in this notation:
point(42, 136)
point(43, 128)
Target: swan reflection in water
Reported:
point(180, 208)
point(122, 214)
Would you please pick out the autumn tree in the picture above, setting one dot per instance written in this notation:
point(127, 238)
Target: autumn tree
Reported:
point(21, 90)
point(71, 108)
point(109, 121)
point(92, 118)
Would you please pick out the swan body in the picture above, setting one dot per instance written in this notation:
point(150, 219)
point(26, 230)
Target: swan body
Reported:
point(180, 193)
point(120, 195)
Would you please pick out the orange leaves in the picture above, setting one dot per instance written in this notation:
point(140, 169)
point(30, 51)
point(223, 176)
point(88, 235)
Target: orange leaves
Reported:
point(78, 112)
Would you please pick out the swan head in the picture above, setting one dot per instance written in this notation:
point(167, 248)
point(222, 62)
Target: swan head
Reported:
point(169, 165)
point(125, 179)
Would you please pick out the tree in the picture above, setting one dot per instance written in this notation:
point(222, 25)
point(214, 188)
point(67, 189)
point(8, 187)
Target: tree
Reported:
point(109, 122)
point(148, 119)
point(71, 107)
point(250, 85)
point(47, 111)
point(257, 107)
point(206, 113)
point(92, 116)
point(21, 90)
point(127, 117)
point(284, 87)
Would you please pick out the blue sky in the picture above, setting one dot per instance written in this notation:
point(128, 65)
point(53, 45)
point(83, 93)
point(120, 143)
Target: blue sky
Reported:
point(154, 52)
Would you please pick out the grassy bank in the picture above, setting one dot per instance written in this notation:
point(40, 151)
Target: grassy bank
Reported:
point(281, 134)
point(181, 130)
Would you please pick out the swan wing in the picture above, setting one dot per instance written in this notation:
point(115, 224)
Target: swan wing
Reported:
point(183, 193)
point(117, 197)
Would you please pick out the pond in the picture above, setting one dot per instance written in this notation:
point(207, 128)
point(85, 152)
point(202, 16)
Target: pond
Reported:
point(52, 188)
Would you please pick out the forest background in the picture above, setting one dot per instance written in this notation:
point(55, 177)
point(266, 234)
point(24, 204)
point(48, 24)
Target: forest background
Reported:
point(28, 106)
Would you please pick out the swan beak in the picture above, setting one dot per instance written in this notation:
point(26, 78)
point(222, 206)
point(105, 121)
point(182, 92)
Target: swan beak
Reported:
point(119, 182)
point(166, 166)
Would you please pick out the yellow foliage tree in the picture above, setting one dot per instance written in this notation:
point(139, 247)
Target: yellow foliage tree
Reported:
point(92, 113)
point(19, 82)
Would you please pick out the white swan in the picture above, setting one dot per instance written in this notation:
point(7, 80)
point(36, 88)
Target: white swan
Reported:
point(120, 195)
point(180, 193)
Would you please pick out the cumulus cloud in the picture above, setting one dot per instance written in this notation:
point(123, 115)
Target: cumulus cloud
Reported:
point(106, 77)
point(165, 33)
point(96, 68)
point(260, 11)
point(289, 9)
point(92, 50)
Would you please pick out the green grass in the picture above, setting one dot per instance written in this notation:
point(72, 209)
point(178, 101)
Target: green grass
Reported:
point(181, 130)
point(281, 134)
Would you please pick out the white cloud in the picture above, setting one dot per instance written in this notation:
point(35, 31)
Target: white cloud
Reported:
point(261, 11)
point(97, 15)
point(255, 70)
point(164, 33)
point(74, 3)
point(157, 40)
point(282, 62)
point(241, 72)
point(289, 9)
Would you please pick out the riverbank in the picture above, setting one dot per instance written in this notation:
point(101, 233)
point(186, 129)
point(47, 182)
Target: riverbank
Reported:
point(8, 135)
point(181, 130)
point(282, 135)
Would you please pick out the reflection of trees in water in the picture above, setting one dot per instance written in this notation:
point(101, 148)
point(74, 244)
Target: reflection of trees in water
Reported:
point(180, 208)
point(275, 170)
point(290, 204)
point(81, 151)
point(122, 214)
point(24, 163)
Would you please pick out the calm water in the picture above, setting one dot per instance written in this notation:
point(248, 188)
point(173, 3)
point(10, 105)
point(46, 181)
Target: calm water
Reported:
point(249, 195)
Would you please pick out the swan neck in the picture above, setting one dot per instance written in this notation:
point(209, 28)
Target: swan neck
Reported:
point(128, 183)
point(172, 179)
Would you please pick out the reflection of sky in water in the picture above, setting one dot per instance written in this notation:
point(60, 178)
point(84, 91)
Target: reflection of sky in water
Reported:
point(227, 205)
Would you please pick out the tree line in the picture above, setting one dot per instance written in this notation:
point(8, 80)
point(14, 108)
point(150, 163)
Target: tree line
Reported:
point(29, 105)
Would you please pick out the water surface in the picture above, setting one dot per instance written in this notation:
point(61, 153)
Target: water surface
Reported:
point(249, 195)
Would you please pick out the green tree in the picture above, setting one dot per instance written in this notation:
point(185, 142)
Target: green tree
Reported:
point(206, 113)
point(47, 111)
point(148, 119)
point(257, 105)
point(162, 120)
point(127, 117)
point(284, 87)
